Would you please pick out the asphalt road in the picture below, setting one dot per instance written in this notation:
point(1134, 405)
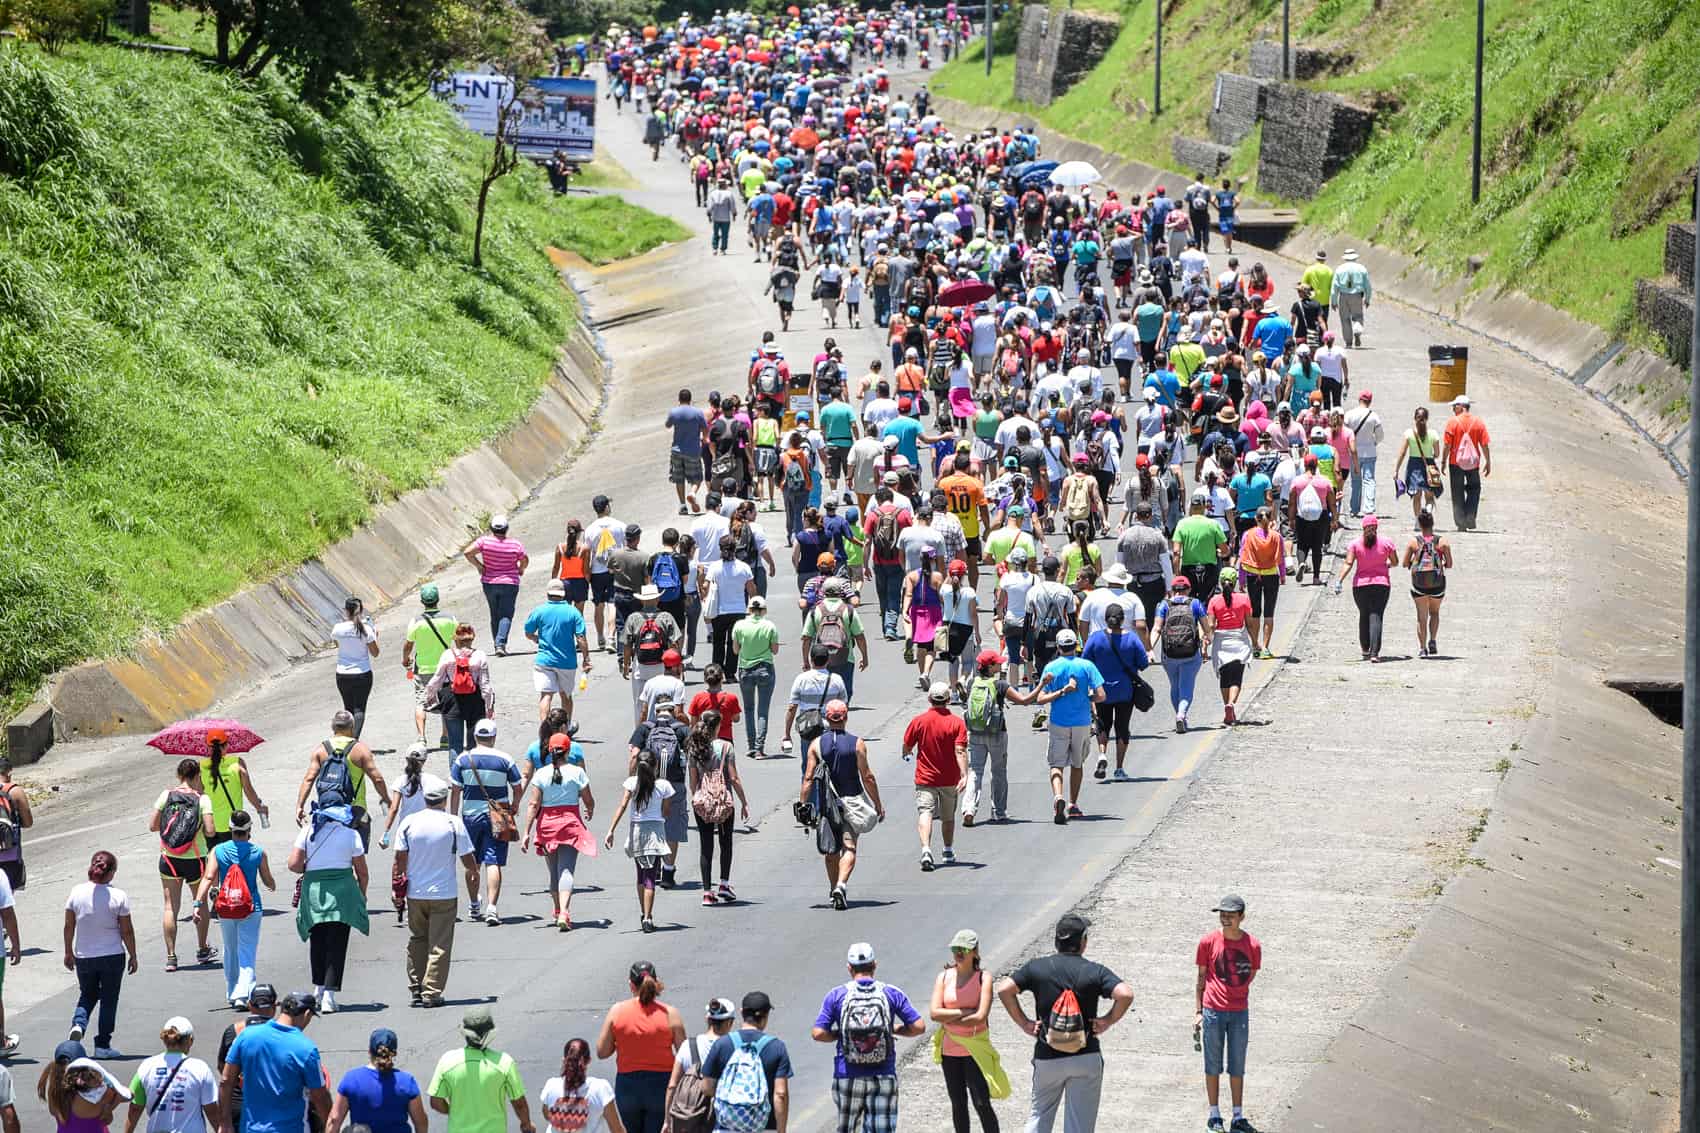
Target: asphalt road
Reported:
point(689, 320)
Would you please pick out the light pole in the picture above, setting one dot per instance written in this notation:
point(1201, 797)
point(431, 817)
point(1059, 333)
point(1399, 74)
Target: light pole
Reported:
point(988, 37)
point(1688, 1049)
point(1157, 84)
point(1476, 131)
point(1286, 48)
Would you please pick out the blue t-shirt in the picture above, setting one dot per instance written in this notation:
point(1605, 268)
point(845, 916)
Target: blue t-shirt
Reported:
point(557, 625)
point(1271, 334)
point(687, 422)
point(775, 1059)
point(761, 206)
point(1250, 492)
point(1167, 383)
point(566, 792)
point(1072, 709)
point(902, 1012)
point(379, 1099)
point(1148, 319)
point(279, 1065)
point(906, 430)
point(1116, 659)
point(244, 854)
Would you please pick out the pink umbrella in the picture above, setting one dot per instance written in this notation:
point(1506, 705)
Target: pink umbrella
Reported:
point(964, 292)
point(189, 737)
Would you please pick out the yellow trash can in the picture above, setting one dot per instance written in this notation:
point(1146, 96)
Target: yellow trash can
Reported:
point(1448, 372)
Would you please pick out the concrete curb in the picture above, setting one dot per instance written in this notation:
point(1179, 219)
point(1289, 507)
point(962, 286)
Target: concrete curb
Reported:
point(263, 630)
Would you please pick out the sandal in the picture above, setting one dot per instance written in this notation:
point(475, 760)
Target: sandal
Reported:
point(170, 962)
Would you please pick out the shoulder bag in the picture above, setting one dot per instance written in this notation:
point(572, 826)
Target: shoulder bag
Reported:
point(503, 826)
point(855, 811)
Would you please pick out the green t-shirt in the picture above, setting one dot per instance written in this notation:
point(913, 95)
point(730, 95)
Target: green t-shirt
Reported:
point(1071, 562)
point(1199, 537)
point(837, 424)
point(431, 634)
point(1187, 358)
point(852, 619)
point(855, 544)
point(1005, 539)
point(986, 424)
point(755, 639)
point(478, 1085)
point(752, 180)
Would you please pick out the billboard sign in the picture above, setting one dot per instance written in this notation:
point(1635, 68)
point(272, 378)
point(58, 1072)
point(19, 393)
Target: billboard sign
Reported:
point(550, 113)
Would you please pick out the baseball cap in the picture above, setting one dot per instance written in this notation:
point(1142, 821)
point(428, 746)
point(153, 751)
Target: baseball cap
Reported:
point(834, 588)
point(382, 1039)
point(1372, 520)
point(836, 710)
point(1232, 903)
point(633, 531)
point(989, 657)
point(428, 595)
point(966, 939)
point(559, 742)
point(436, 790)
point(69, 1051)
point(957, 567)
point(1018, 554)
point(672, 659)
point(179, 1024)
point(1304, 350)
point(720, 1010)
point(1200, 496)
point(476, 1023)
point(1180, 582)
point(860, 954)
point(1012, 461)
point(262, 995)
point(890, 478)
point(1318, 433)
point(297, 1003)
point(1066, 639)
point(756, 1003)
point(1080, 458)
point(557, 589)
point(1365, 396)
point(938, 692)
point(1461, 399)
point(218, 736)
point(1071, 929)
point(484, 727)
point(890, 440)
point(1150, 393)
point(499, 522)
point(1019, 511)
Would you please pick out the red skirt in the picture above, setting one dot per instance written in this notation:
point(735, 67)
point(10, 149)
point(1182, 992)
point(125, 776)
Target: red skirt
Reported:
point(559, 826)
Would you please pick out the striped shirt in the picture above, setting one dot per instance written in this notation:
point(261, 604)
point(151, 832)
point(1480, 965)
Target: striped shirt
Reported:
point(483, 774)
point(501, 558)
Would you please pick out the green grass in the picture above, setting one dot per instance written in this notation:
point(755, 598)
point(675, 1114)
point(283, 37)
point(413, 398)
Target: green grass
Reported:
point(605, 229)
point(1589, 129)
point(230, 328)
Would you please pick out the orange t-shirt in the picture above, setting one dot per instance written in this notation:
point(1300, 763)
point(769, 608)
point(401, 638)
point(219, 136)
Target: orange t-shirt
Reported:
point(574, 565)
point(1457, 427)
point(910, 378)
point(1260, 551)
point(964, 496)
point(643, 1038)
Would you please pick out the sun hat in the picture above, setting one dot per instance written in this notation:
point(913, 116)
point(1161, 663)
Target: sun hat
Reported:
point(649, 593)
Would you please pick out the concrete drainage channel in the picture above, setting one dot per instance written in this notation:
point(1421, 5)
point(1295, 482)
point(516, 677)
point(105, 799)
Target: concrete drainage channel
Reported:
point(1661, 697)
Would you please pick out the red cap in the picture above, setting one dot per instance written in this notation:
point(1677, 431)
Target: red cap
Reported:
point(957, 566)
point(1142, 461)
point(1180, 582)
point(904, 404)
point(1080, 458)
point(217, 735)
point(672, 659)
point(989, 657)
point(559, 742)
point(1365, 396)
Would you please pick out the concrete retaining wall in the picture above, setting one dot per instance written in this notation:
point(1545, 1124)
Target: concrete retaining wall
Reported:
point(1057, 49)
point(1200, 156)
point(1236, 107)
point(1308, 136)
point(1669, 311)
point(1679, 253)
point(260, 631)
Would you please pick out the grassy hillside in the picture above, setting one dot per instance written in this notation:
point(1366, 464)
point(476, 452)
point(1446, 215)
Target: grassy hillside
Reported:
point(1592, 113)
point(229, 327)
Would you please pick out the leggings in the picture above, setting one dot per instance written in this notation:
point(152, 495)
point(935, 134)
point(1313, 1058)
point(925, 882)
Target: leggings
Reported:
point(1117, 717)
point(327, 949)
point(964, 1083)
point(1372, 603)
point(707, 832)
point(640, 1096)
point(693, 614)
point(355, 689)
point(723, 652)
point(1262, 589)
point(1313, 540)
point(562, 860)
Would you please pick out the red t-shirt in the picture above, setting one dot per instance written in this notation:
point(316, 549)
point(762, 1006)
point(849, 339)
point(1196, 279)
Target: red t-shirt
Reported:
point(935, 735)
point(1229, 615)
point(725, 702)
point(1229, 966)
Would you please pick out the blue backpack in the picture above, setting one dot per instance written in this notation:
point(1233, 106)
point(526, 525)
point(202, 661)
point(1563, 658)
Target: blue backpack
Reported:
point(742, 1100)
point(665, 575)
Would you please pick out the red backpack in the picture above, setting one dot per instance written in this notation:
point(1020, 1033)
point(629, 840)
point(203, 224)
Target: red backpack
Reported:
point(462, 683)
point(1065, 1026)
point(234, 900)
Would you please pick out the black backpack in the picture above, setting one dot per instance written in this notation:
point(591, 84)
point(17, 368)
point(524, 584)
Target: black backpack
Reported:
point(1180, 632)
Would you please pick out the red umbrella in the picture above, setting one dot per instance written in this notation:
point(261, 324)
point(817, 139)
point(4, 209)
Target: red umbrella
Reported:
point(964, 292)
point(189, 737)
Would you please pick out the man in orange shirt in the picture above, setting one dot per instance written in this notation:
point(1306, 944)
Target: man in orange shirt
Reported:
point(966, 499)
point(911, 377)
point(1465, 456)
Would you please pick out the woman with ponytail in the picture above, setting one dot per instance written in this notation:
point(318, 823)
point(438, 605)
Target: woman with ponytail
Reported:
point(574, 1100)
point(560, 803)
point(642, 1032)
point(224, 780)
point(174, 1084)
point(713, 770)
point(649, 796)
point(410, 798)
point(377, 1096)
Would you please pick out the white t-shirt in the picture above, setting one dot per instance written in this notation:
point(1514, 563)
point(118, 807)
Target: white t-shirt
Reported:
point(1098, 601)
point(1016, 584)
point(593, 540)
point(880, 412)
point(352, 656)
point(582, 1109)
point(1124, 340)
point(806, 689)
point(704, 1041)
point(729, 578)
point(707, 531)
point(336, 847)
point(434, 841)
point(97, 909)
point(1331, 361)
point(914, 539)
point(660, 689)
point(652, 812)
point(193, 1086)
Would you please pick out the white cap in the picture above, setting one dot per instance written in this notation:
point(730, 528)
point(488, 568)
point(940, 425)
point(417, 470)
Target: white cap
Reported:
point(179, 1024)
point(1461, 399)
point(1066, 639)
point(889, 440)
point(860, 954)
point(1150, 393)
point(499, 522)
point(938, 692)
point(484, 727)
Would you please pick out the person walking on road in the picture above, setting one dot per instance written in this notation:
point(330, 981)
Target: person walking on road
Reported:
point(557, 629)
point(1076, 685)
point(722, 211)
point(1263, 562)
point(962, 1006)
point(500, 561)
point(1118, 653)
point(428, 844)
point(462, 688)
point(81, 1095)
point(1417, 460)
point(273, 1071)
point(575, 1100)
point(861, 1018)
point(1182, 640)
point(1068, 1067)
point(1228, 960)
point(641, 1033)
point(1428, 557)
point(727, 583)
point(377, 1095)
point(937, 740)
point(649, 796)
point(98, 936)
point(713, 769)
point(241, 930)
point(337, 774)
point(484, 789)
point(428, 638)
point(476, 1085)
point(356, 639)
point(755, 639)
point(330, 856)
point(845, 761)
point(602, 537)
point(562, 806)
point(182, 816)
point(1350, 296)
point(1468, 460)
point(1313, 512)
point(985, 712)
point(15, 813)
point(1199, 543)
point(748, 1073)
point(1364, 423)
point(1373, 559)
point(14, 953)
point(224, 780)
point(687, 1066)
point(176, 1092)
point(835, 624)
point(1230, 642)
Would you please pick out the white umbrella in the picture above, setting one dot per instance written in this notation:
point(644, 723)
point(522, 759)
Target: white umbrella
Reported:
point(1074, 174)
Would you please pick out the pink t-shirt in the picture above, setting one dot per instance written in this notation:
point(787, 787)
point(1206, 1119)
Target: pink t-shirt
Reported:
point(501, 558)
point(1341, 441)
point(1373, 562)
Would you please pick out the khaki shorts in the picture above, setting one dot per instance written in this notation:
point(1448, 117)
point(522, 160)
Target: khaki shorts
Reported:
point(941, 801)
point(548, 680)
point(1068, 744)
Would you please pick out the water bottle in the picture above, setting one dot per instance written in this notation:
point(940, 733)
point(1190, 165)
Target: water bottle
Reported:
point(265, 820)
point(583, 681)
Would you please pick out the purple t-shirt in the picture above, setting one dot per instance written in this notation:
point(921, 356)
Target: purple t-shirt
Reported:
point(501, 558)
point(902, 1012)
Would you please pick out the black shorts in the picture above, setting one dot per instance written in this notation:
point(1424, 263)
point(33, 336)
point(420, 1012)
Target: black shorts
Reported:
point(837, 459)
point(602, 587)
point(1231, 675)
point(957, 640)
point(1416, 592)
point(973, 549)
point(15, 873)
point(578, 589)
point(1124, 368)
point(184, 869)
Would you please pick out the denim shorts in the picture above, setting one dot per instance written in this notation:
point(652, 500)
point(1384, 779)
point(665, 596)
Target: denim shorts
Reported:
point(487, 849)
point(1230, 1030)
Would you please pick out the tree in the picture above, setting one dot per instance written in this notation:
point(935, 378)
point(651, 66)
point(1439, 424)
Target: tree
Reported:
point(508, 39)
point(54, 23)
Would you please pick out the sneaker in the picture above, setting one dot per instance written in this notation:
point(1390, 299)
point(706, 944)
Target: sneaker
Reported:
point(239, 1005)
point(1060, 809)
point(491, 917)
point(564, 923)
point(648, 925)
point(1214, 1125)
point(1121, 775)
point(472, 910)
point(1180, 725)
point(840, 899)
point(926, 861)
point(949, 856)
point(433, 1001)
point(1228, 715)
point(76, 1034)
point(1000, 816)
point(1433, 649)
point(1299, 574)
point(418, 1000)
point(669, 877)
point(1075, 812)
point(170, 962)
point(327, 1002)
point(9, 1046)
point(968, 820)
point(107, 1052)
point(1241, 1125)
point(1039, 719)
point(400, 918)
point(724, 893)
point(1103, 767)
point(205, 955)
point(709, 900)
